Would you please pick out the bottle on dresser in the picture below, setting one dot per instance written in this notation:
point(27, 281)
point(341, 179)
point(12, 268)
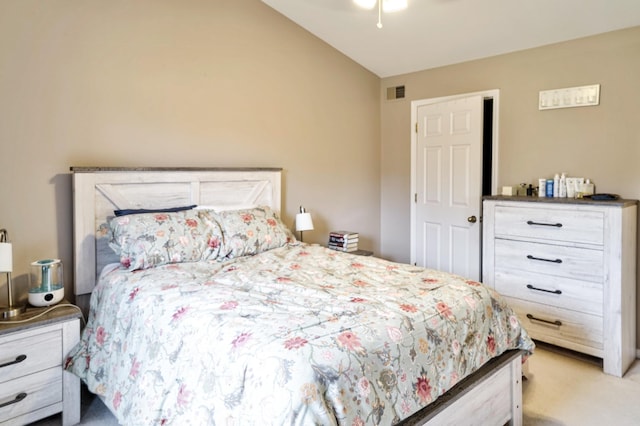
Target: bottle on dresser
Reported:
point(562, 189)
point(542, 187)
point(588, 188)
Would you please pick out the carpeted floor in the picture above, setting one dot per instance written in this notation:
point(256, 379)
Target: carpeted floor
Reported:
point(561, 389)
point(564, 388)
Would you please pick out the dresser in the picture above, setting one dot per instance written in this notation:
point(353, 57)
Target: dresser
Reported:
point(568, 268)
point(33, 383)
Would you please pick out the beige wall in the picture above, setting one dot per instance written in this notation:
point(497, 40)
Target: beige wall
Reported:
point(601, 143)
point(177, 83)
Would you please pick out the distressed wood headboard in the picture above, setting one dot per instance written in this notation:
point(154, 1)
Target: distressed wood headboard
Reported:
point(98, 191)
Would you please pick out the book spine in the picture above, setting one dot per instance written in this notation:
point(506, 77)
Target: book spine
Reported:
point(342, 242)
point(343, 246)
point(343, 234)
point(339, 240)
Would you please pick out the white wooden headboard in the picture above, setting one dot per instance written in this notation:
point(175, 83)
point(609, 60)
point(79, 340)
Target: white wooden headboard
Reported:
point(98, 191)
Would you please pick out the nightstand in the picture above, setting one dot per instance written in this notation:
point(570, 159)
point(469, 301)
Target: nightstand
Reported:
point(33, 383)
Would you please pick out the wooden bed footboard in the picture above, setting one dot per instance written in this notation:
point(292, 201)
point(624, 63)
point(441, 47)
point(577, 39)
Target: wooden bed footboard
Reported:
point(491, 396)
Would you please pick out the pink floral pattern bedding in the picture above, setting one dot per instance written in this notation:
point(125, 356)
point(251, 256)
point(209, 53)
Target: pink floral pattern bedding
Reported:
point(295, 335)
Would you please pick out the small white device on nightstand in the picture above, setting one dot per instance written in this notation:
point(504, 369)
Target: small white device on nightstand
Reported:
point(46, 286)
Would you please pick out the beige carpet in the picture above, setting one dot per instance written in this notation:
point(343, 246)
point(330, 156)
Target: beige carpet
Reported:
point(561, 388)
point(564, 388)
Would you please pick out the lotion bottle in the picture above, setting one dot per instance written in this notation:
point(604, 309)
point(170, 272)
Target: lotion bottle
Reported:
point(562, 189)
point(556, 185)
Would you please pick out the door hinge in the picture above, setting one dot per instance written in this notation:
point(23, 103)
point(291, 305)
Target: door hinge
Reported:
point(415, 197)
point(416, 127)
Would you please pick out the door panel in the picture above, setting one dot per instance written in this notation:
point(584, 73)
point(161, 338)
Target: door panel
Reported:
point(433, 175)
point(432, 245)
point(459, 256)
point(449, 185)
point(460, 175)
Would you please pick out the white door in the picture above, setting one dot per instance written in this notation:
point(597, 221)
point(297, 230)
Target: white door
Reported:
point(446, 224)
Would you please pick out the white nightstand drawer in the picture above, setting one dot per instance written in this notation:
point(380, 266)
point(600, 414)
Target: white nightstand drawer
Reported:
point(548, 259)
point(21, 356)
point(576, 295)
point(570, 329)
point(550, 224)
point(30, 393)
point(32, 353)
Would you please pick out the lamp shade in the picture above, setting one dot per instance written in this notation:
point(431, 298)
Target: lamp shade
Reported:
point(6, 257)
point(304, 222)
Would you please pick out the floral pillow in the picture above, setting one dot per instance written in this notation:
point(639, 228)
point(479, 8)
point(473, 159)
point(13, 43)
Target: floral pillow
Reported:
point(251, 231)
point(150, 239)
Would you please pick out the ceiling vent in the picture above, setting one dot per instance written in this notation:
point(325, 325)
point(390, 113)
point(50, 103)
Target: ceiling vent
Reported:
point(395, 93)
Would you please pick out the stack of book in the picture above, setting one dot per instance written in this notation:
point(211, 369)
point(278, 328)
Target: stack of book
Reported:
point(343, 241)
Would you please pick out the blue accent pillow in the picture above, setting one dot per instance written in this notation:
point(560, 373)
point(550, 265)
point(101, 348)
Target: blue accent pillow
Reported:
point(125, 212)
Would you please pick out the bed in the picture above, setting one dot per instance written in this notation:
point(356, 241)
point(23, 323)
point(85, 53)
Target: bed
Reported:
point(215, 314)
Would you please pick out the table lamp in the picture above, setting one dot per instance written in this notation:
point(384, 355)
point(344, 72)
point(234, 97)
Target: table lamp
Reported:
point(303, 221)
point(6, 266)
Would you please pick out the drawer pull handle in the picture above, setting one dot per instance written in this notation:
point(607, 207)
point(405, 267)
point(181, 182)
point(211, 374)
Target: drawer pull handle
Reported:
point(529, 286)
point(557, 323)
point(19, 397)
point(543, 259)
point(557, 225)
point(18, 360)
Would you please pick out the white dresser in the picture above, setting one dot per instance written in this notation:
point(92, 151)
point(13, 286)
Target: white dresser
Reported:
point(568, 268)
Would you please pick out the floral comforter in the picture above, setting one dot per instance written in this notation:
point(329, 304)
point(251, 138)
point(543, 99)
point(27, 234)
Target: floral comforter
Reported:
point(296, 335)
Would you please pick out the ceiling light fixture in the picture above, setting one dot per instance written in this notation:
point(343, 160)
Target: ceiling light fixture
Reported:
point(383, 6)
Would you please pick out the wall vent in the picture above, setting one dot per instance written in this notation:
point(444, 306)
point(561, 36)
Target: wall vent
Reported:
point(395, 93)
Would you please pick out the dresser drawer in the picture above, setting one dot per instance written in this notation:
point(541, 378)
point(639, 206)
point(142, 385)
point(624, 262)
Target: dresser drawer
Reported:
point(585, 226)
point(562, 327)
point(548, 259)
point(21, 356)
point(566, 293)
point(40, 390)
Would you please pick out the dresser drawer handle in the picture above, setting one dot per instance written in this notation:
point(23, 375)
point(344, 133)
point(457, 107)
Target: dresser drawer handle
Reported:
point(557, 323)
point(529, 286)
point(19, 397)
point(543, 259)
point(557, 225)
point(18, 360)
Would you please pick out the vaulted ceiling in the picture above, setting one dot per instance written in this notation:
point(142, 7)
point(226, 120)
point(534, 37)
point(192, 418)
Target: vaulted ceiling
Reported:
point(433, 33)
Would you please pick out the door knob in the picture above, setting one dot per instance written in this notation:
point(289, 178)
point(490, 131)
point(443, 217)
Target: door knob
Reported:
point(472, 219)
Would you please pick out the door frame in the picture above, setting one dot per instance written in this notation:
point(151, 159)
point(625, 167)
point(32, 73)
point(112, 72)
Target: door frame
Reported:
point(486, 94)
